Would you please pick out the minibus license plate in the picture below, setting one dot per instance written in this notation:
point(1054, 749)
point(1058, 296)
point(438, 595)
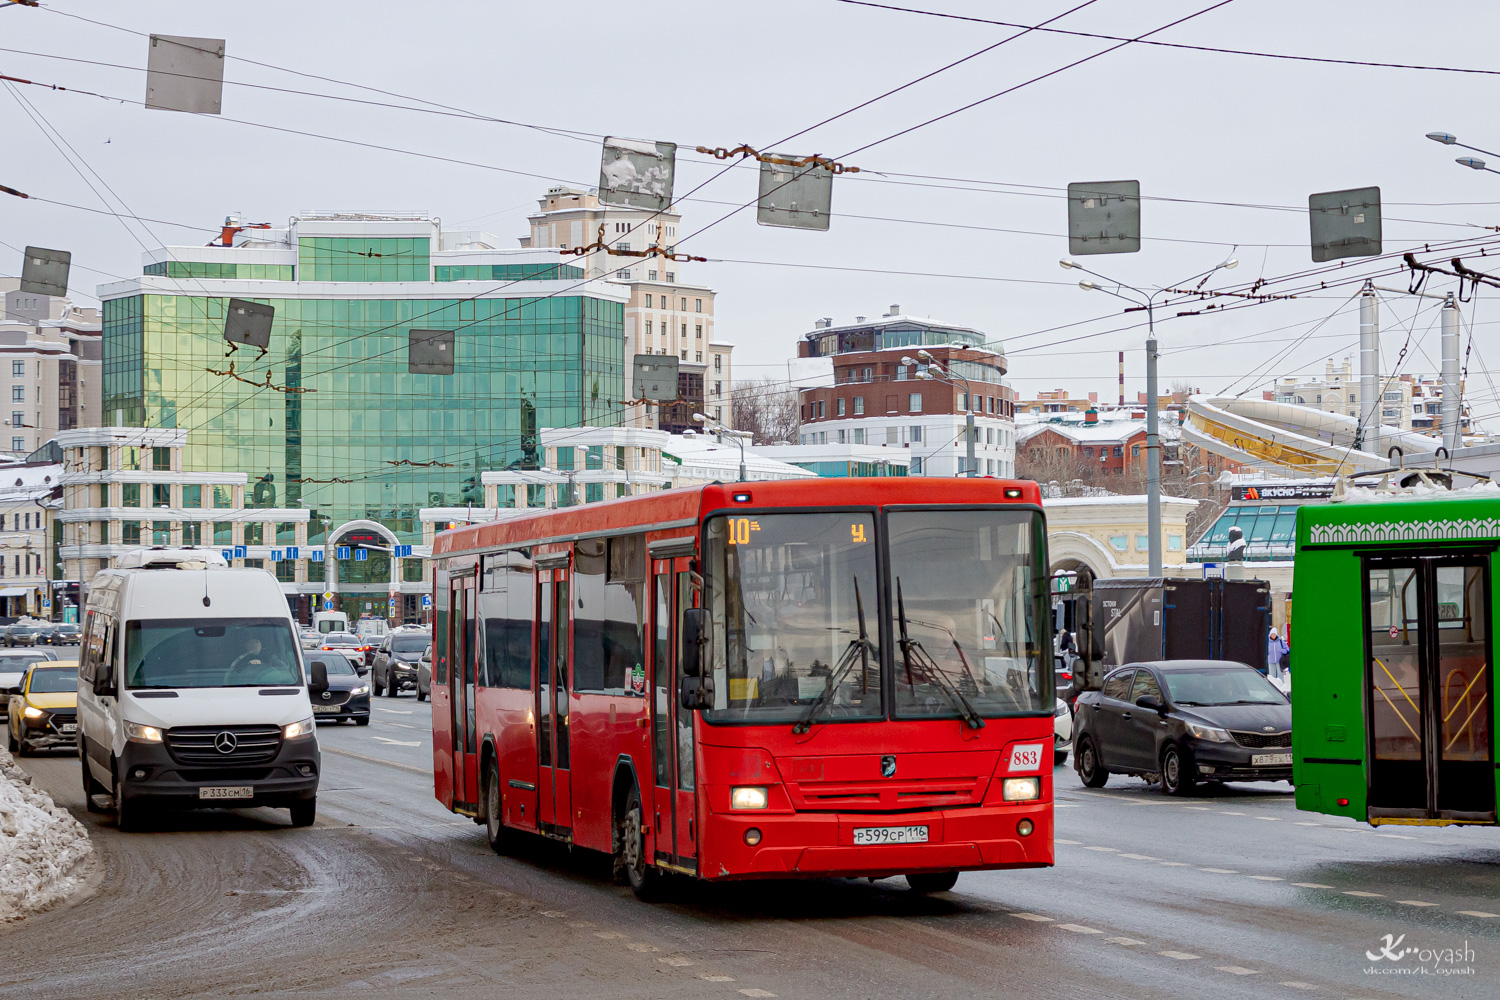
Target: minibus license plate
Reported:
point(890, 835)
point(226, 792)
point(1269, 759)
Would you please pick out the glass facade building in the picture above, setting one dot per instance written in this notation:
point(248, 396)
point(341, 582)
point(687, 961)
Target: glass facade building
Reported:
point(344, 428)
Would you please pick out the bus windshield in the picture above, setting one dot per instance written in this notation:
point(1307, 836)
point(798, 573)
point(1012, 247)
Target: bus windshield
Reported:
point(210, 652)
point(967, 614)
point(785, 601)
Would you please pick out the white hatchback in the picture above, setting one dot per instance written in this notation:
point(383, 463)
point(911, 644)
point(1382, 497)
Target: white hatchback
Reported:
point(1062, 733)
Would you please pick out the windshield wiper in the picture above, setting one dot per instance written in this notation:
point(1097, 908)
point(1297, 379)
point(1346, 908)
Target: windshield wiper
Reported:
point(913, 653)
point(863, 647)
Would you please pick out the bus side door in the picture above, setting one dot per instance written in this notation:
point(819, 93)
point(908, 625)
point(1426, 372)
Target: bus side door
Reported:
point(673, 761)
point(461, 648)
point(551, 681)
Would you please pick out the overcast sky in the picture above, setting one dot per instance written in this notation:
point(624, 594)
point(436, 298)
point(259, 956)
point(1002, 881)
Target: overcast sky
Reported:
point(1191, 125)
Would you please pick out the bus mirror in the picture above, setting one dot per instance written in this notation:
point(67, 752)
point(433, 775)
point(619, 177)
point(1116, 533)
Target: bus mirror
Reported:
point(697, 692)
point(318, 670)
point(693, 638)
point(104, 680)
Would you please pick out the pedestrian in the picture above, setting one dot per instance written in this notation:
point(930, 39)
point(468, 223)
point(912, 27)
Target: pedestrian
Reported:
point(1278, 653)
point(1065, 641)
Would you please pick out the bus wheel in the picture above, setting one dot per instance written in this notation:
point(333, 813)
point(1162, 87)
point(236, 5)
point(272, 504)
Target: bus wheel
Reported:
point(495, 832)
point(932, 881)
point(1175, 777)
point(1086, 763)
point(645, 880)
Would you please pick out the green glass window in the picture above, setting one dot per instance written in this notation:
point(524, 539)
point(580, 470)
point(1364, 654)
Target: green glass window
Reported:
point(161, 532)
point(505, 496)
point(254, 563)
point(593, 458)
point(223, 497)
point(315, 572)
point(286, 533)
point(130, 494)
point(103, 495)
point(622, 490)
point(341, 259)
point(565, 459)
point(192, 496)
point(593, 492)
point(411, 570)
point(255, 533)
point(536, 495)
point(161, 495)
point(130, 532)
point(192, 532)
point(286, 571)
point(130, 458)
point(223, 532)
point(161, 459)
point(219, 269)
point(505, 272)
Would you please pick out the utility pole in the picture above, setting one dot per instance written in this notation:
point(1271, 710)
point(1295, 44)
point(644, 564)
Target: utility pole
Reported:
point(1369, 369)
point(1452, 419)
point(1153, 450)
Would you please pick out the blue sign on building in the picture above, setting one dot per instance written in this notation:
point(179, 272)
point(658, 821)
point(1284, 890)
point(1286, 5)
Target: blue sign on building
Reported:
point(360, 555)
point(341, 552)
point(228, 554)
point(316, 555)
point(403, 551)
point(292, 552)
point(426, 600)
point(327, 605)
point(239, 551)
point(276, 555)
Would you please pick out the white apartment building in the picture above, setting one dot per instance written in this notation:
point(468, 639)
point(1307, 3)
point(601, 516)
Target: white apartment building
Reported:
point(51, 355)
point(26, 507)
point(666, 313)
point(1411, 402)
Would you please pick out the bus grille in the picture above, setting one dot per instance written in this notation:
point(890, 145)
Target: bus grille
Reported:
point(1262, 741)
point(888, 795)
point(200, 745)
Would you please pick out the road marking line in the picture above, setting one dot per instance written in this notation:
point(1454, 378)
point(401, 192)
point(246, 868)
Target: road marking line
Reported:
point(1230, 812)
point(1307, 824)
point(1059, 805)
point(1395, 836)
point(1078, 929)
point(1095, 848)
point(1125, 941)
point(1220, 871)
point(401, 725)
point(757, 993)
point(1356, 892)
point(1300, 986)
point(715, 979)
point(608, 935)
point(1057, 840)
point(1266, 878)
point(1238, 970)
point(1415, 902)
point(1037, 917)
point(1312, 885)
point(1173, 864)
point(553, 913)
point(677, 961)
point(1140, 857)
point(1198, 808)
point(1478, 913)
point(395, 743)
point(1181, 956)
point(641, 946)
point(393, 711)
point(1270, 819)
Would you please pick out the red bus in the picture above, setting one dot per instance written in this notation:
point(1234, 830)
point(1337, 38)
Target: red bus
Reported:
point(831, 677)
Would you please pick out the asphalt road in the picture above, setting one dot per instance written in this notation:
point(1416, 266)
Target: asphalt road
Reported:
point(1233, 895)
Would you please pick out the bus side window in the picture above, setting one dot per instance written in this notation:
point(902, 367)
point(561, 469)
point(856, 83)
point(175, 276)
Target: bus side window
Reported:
point(440, 601)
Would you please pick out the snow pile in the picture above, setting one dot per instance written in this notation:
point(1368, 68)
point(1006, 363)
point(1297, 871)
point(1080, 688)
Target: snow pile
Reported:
point(1421, 491)
point(41, 846)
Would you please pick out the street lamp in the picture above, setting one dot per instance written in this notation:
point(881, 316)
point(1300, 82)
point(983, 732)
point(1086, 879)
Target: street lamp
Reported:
point(1472, 162)
point(1147, 301)
point(947, 376)
point(719, 429)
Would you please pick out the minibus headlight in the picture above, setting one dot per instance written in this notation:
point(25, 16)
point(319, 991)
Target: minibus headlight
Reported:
point(747, 798)
point(298, 729)
point(1022, 789)
point(142, 733)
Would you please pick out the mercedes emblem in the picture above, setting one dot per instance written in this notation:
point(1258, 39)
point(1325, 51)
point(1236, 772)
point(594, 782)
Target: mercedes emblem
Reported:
point(888, 766)
point(226, 742)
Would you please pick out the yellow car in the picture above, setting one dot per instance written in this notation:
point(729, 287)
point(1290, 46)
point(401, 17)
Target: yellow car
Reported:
point(44, 712)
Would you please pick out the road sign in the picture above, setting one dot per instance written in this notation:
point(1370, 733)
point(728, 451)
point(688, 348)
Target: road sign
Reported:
point(637, 174)
point(430, 352)
point(292, 552)
point(361, 555)
point(45, 272)
point(328, 595)
point(403, 551)
point(46, 602)
point(316, 555)
point(655, 377)
point(185, 74)
point(426, 600)
point(341, 552)
point(794, 197)
point(276, 555)
point(240, 551)
point(1213, 571)
point(1104, 217)
point(228, 554)
point(1345, 223)
point(327, 605)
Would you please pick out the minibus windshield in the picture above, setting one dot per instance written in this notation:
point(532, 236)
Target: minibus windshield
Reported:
point(210, 652)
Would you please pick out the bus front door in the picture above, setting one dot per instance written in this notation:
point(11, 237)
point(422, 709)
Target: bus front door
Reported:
point(1430, 689)
point(673, 761)
point(554, 654)
point(461, 692)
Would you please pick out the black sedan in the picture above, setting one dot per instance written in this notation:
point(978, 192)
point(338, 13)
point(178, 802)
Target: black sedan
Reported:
point(1183, 721)
point(348, 695)
point(66, 634)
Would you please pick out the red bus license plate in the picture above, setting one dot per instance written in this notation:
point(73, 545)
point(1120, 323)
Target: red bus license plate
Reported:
point(890, 835)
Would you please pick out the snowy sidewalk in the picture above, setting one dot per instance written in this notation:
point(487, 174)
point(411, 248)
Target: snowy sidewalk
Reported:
point(41, 846)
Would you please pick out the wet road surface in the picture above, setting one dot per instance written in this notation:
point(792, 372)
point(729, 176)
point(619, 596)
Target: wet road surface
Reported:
point(1233, 893)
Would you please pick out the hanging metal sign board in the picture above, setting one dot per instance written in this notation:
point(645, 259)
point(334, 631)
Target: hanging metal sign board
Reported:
point(185, 74)
point(1104, 217)
point(637, 174)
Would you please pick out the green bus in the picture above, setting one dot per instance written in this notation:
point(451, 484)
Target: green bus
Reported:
point(1393, 716)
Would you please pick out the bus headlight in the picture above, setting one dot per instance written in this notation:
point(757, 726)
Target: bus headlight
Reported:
point(298, 729)
point(747, 798)
point(1022, 789)
point(142, 733)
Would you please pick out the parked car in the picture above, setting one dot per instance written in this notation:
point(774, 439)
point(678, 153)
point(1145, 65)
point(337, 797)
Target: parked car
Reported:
point(43, 714)
point(1181, 722)
point(347, 642)
point(347, 697)
point(22, 634)
point(395, 663)
point(1062, 733)
point(13, 669)
point(66, 634)
point(424, 674)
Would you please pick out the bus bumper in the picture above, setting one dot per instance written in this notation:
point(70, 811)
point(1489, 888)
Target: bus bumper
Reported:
point(822, 844)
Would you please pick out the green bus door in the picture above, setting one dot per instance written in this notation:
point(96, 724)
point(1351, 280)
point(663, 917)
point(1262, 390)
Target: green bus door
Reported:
point(1429, 688)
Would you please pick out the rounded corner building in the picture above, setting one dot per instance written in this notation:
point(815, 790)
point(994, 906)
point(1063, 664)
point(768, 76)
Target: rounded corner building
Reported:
point(355, 411)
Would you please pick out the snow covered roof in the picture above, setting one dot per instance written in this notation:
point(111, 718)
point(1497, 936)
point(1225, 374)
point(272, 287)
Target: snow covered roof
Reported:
point(1419, 492)
point(703, 459)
